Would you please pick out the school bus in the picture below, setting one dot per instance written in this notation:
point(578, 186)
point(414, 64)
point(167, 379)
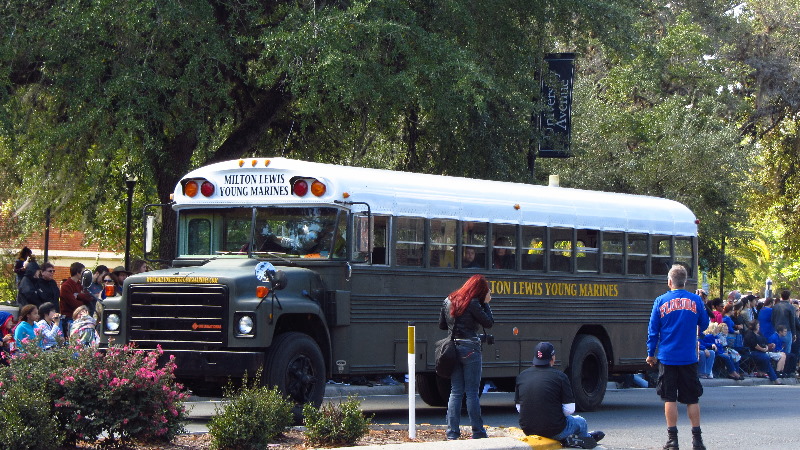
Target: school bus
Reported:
point(356, 254)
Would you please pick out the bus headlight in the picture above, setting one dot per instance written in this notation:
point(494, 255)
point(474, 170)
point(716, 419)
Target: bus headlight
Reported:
point(246, 325)
point(112, 322)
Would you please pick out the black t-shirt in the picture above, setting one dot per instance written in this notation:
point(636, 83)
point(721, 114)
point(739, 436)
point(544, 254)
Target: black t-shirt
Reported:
point(540, 392)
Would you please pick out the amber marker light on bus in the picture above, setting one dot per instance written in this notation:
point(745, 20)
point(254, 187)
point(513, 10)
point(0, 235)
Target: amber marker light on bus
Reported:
point(300, 188)
point(207, 188)
point(241, 162)
point(266, 163)
point(262, 291)
point(345, 195)
point(318, 188)
point(254, 162)
point(190, 189)
point(516, 206)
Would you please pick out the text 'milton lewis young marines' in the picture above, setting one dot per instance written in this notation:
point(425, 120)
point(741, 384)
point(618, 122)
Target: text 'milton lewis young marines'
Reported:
point(673, 329)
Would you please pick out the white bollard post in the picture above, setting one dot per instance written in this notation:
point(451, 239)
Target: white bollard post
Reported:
point(412, 382)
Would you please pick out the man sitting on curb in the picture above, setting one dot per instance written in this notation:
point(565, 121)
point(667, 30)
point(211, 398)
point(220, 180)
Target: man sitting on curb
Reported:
point(545, 403)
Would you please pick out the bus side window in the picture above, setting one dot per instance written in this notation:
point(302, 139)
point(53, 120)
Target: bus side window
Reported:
point(410, 245)
point(561, 250)
point(443, 242)
point(661, 257)
point(504, 247)
point(637, 254)
point(380, 229)
point(586, 256)
point(533, 246)
point(612, 252)
point(473, 240)
point(684, 254)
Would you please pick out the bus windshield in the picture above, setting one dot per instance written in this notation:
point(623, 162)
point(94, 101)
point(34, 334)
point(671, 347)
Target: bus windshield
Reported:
point(308, 232)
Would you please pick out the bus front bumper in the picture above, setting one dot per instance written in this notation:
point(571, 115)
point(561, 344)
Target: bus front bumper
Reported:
point(202, 364)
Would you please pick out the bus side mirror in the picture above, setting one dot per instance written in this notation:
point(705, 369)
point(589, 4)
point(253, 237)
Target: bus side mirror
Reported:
point(148, 233)
point(86, 278)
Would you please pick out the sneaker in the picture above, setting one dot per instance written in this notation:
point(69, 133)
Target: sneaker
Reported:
point(579, 442)
point(597, 435)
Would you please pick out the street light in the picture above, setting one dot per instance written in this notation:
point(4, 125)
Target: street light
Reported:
point(130, 182)
point(768, 290)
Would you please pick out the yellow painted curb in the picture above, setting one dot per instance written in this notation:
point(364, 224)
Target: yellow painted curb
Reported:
point(541, 443)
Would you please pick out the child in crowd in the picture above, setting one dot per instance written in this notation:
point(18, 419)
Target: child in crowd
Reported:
point(728, 355)
point(776, 350)
point(707, 354)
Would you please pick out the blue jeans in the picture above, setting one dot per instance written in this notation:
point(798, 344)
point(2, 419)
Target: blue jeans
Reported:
point(706, 363)
point(466, 379)
point(732, 365)
point(763, 363)
point(575, 425)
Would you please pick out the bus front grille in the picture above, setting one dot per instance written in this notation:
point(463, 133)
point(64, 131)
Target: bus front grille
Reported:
point(177, 316)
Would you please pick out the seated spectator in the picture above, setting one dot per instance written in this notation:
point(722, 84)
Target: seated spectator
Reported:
point(25, 333)
point(707, 354)
point(49, 328)
point(503, 258)
point(777, 353)
point(469, 261)
point(757, 344)
point(728, 355)
point(545, 402)
point(7, 343)
point(83, 332)
point(734, 330)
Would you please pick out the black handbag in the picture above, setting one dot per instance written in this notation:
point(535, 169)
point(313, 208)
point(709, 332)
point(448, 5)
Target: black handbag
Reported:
point(446, 357)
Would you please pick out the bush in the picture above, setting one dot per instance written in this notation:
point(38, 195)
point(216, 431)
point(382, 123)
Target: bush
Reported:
point(121, 393)
point(27, 420)
point(333, 425)
point(254, 416)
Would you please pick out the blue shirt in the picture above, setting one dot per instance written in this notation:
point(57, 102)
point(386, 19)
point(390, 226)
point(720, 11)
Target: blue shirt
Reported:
point(673, 327)
point(24, 331)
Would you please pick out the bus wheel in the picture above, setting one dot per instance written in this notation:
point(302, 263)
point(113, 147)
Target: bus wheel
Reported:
point(428, 387)
point(588, 372)
point(296, 367)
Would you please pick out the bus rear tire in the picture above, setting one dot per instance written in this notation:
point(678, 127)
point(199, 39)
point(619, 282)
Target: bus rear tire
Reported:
point(588, 372)
point(295, 366)
point(429, 387)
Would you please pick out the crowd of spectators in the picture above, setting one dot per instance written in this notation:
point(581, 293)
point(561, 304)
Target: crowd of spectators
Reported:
point(750, 336)
point(50, 316)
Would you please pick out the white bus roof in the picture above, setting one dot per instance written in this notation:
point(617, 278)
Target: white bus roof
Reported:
point(248, 183)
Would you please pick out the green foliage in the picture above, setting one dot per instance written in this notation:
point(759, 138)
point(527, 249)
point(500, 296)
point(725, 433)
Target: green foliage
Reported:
point(335, 425)
point(27, 419)
point(121, 394)
point(253, 417)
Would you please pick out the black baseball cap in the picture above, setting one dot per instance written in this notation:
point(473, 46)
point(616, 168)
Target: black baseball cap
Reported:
point(544, 353)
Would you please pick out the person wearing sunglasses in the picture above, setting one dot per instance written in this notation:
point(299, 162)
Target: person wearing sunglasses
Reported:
point(100, 277)
point(36, 290)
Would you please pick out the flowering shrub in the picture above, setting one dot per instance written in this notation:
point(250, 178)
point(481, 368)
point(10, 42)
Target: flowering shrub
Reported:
point(120, 393)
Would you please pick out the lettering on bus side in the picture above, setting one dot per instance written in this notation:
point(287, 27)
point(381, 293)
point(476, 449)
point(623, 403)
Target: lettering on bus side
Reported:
point(554, 289)
point(254, 185)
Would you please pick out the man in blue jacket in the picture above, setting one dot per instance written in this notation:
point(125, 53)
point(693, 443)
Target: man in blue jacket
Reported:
point(673, 330)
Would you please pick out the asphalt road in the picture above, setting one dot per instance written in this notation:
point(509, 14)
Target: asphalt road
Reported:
point(743, 417)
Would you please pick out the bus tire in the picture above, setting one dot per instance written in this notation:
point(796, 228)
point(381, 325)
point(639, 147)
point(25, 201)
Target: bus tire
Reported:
point(295, 366)
point(588, 372)
point(428, 387)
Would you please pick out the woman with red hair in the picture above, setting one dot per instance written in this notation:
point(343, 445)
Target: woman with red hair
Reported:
point(463, 312)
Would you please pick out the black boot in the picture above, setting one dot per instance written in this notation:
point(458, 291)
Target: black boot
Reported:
point(672, 439)
point(697, 439)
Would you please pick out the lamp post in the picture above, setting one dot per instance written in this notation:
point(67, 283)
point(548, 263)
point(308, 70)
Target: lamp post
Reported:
point(768, 290)
point(130, 182)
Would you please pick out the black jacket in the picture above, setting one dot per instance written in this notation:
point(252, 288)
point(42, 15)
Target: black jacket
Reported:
point(467, 324)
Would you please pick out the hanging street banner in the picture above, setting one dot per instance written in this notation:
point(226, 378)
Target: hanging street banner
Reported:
point(555, 122)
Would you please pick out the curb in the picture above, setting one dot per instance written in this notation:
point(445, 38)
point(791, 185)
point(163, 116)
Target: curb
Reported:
point(498, 443)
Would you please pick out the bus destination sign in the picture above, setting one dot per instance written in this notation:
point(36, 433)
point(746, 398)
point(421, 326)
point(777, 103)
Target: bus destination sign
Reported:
point(554, 289)
point(251, 185)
